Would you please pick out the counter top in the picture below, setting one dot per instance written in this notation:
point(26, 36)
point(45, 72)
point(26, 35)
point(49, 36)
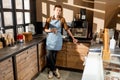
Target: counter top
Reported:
point(97, 69)
point(93, 69)
point(13, 50)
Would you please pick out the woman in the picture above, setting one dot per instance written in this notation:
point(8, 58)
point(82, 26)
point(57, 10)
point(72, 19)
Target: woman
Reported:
point(54, 40)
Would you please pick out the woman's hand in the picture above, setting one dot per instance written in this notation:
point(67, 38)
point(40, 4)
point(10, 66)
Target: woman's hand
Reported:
point(75, 40)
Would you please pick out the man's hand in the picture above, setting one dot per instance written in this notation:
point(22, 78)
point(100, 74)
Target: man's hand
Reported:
point(54, 30)
point(75, 41)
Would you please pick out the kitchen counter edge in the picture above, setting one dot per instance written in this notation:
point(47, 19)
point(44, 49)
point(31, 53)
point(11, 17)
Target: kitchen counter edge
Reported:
point(19, 47)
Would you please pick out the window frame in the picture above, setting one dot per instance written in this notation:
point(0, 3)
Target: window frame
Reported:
point(14, 17)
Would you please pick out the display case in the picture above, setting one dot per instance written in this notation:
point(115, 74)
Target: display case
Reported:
point(112, 68)
point(80, 29)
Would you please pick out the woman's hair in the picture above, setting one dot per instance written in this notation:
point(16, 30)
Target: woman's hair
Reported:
point(59, 6)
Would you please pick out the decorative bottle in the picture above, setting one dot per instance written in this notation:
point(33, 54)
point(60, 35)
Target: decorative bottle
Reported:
point(112, 43)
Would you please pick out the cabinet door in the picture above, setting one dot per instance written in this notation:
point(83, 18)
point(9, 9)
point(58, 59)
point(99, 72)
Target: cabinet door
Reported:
point(26, 63)
point(76, 54)
point(75, 62)
point(33, 61)
point(62, 57)
point(42, 55)
point(6, 70)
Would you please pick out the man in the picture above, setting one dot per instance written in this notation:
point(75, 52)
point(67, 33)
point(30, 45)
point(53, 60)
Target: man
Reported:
point(53, 27)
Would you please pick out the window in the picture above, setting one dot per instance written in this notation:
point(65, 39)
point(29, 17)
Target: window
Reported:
point(23, 12)
point(14, 13)
point(19, 4)
point(7, 4)
point(8, 20)
point(27, 4)
point(7, 13)
point(27, 17)
point(19, 16)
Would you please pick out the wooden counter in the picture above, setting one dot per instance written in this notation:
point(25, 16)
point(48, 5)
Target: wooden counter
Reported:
point(24, 60)
point(72, 55)
point(21, 61)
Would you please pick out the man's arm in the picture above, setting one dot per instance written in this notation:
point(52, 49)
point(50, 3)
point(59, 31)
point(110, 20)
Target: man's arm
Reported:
point(74, 40)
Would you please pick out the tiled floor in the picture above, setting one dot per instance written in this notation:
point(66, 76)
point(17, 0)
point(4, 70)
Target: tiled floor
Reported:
point(65, 75)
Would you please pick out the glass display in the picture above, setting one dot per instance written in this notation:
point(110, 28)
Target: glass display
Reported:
point(8, 19)
point(7, 4)
point(27, 17)
point(79, 32)
point(112, 68)
point(19, 4)
point(27, 4)
point(19, 17)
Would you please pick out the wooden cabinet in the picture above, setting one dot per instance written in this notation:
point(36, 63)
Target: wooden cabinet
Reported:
point(26, 63)
point(42, 53)
point(6, 70)
point(72, 55)
point(76, 54)
point(62, 57)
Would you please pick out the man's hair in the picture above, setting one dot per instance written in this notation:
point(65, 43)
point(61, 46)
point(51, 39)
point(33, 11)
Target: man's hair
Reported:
point(59, 6)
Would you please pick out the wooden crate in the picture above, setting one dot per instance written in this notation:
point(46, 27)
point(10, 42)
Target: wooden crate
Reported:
point(28, 36)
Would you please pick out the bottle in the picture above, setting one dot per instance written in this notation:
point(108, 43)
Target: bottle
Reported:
point(112, 43)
